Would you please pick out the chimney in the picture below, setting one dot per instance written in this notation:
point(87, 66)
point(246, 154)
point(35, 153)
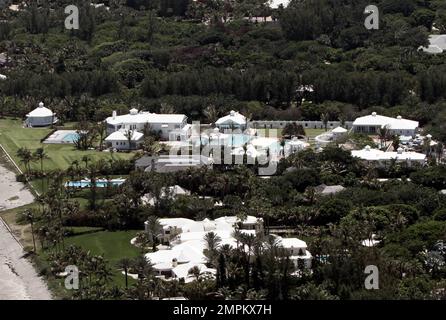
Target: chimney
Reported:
point(374, 114)
point(114, 114)
point(174, 262)
point(400, 150)
point(41, 105)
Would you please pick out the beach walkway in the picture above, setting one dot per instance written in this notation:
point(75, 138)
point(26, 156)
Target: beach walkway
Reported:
point(18, 278)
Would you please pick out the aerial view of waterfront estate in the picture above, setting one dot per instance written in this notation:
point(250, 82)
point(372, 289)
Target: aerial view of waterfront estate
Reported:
point(223, 150)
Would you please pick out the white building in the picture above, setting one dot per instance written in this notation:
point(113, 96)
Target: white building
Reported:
point(294, 145)
point(339, 132)
point(234, 120)
point(171, 127)
point(186, 240)
point(382, 158)
point(437, 44)
point(120, 139)
point(372, 123)
point(169, 193)
point(297, 250)
point(40, 117)
point(274, 4)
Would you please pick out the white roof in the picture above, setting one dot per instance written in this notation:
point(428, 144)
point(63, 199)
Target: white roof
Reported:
point(392, 123)
point(370, 154)
point(182, 271)
point(339, 130)
point(40, 111)
point(145, 117)
point(120, 135)
point(234, 219)
point(437, 44)
point(292, 243)
point(263, 142)
point(332, 189)
point(276, 3)
point(187, 248)
point(234, 117)
point(297, 143)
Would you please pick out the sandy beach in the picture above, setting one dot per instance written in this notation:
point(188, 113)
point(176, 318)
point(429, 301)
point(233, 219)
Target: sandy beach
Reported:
point(18, 278)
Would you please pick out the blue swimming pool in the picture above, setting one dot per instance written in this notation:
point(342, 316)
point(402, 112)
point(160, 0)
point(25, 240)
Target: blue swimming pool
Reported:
point(70, 137)
point(233, 140)
point(100, 183)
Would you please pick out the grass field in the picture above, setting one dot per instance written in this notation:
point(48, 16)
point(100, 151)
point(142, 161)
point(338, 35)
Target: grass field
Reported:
point(113, 246)
point(60, 156)
point(311, 133)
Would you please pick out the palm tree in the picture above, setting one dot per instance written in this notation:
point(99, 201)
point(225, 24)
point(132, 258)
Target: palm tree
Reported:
point(324, 119)
point(195, 272)
point(30, 217)
point(102, 131)
point(383, 133)
point(26, 157)
point(129, 135)
point(211, 113)
point(154, 230)
point(167, 108)
point(40, 155)
point(85, 159)
point(125, 264)
point(439, 149)
point(212, 243)
point(395, 142)
point(142, 266)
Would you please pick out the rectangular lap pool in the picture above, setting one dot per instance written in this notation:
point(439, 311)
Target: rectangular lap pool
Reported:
point(62, 136)
point(100, 183)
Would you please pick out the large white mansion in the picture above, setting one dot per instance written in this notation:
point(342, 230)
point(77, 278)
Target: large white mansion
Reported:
point(372, 123)
point(173, 127)
point(185, 244)
point(168, 125)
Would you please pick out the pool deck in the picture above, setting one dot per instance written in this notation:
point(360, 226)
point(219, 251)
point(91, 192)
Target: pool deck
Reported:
point(58, 136)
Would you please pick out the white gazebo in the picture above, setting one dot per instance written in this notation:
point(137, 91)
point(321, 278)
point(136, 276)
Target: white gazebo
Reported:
point(40, 117)
point(338, 132)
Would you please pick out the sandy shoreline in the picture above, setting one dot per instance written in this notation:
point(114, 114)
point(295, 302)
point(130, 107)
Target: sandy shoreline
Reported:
point(18, 278)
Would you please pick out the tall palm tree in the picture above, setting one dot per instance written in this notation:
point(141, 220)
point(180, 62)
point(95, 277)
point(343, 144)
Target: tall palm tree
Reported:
point(383, 134)
point(154, 230)
point(129, 135)
point(26, 157)
point(212, 243)
point(439, 149)
point(211, 113)
point(86, 159)
point(30, 217)
point(195, 272)
point(101, 128)
point(324, 119)
point(40, 155)
point(125, 264)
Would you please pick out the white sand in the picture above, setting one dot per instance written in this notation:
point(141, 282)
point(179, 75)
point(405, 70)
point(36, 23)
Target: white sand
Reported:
point(18, 278)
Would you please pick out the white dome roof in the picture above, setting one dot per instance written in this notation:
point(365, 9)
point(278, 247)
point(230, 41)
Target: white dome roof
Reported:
point(40, 111)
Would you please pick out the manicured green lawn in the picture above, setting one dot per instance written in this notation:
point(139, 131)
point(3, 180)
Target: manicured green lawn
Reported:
point(112, 245)
point(60, 156)
point(311, 133)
